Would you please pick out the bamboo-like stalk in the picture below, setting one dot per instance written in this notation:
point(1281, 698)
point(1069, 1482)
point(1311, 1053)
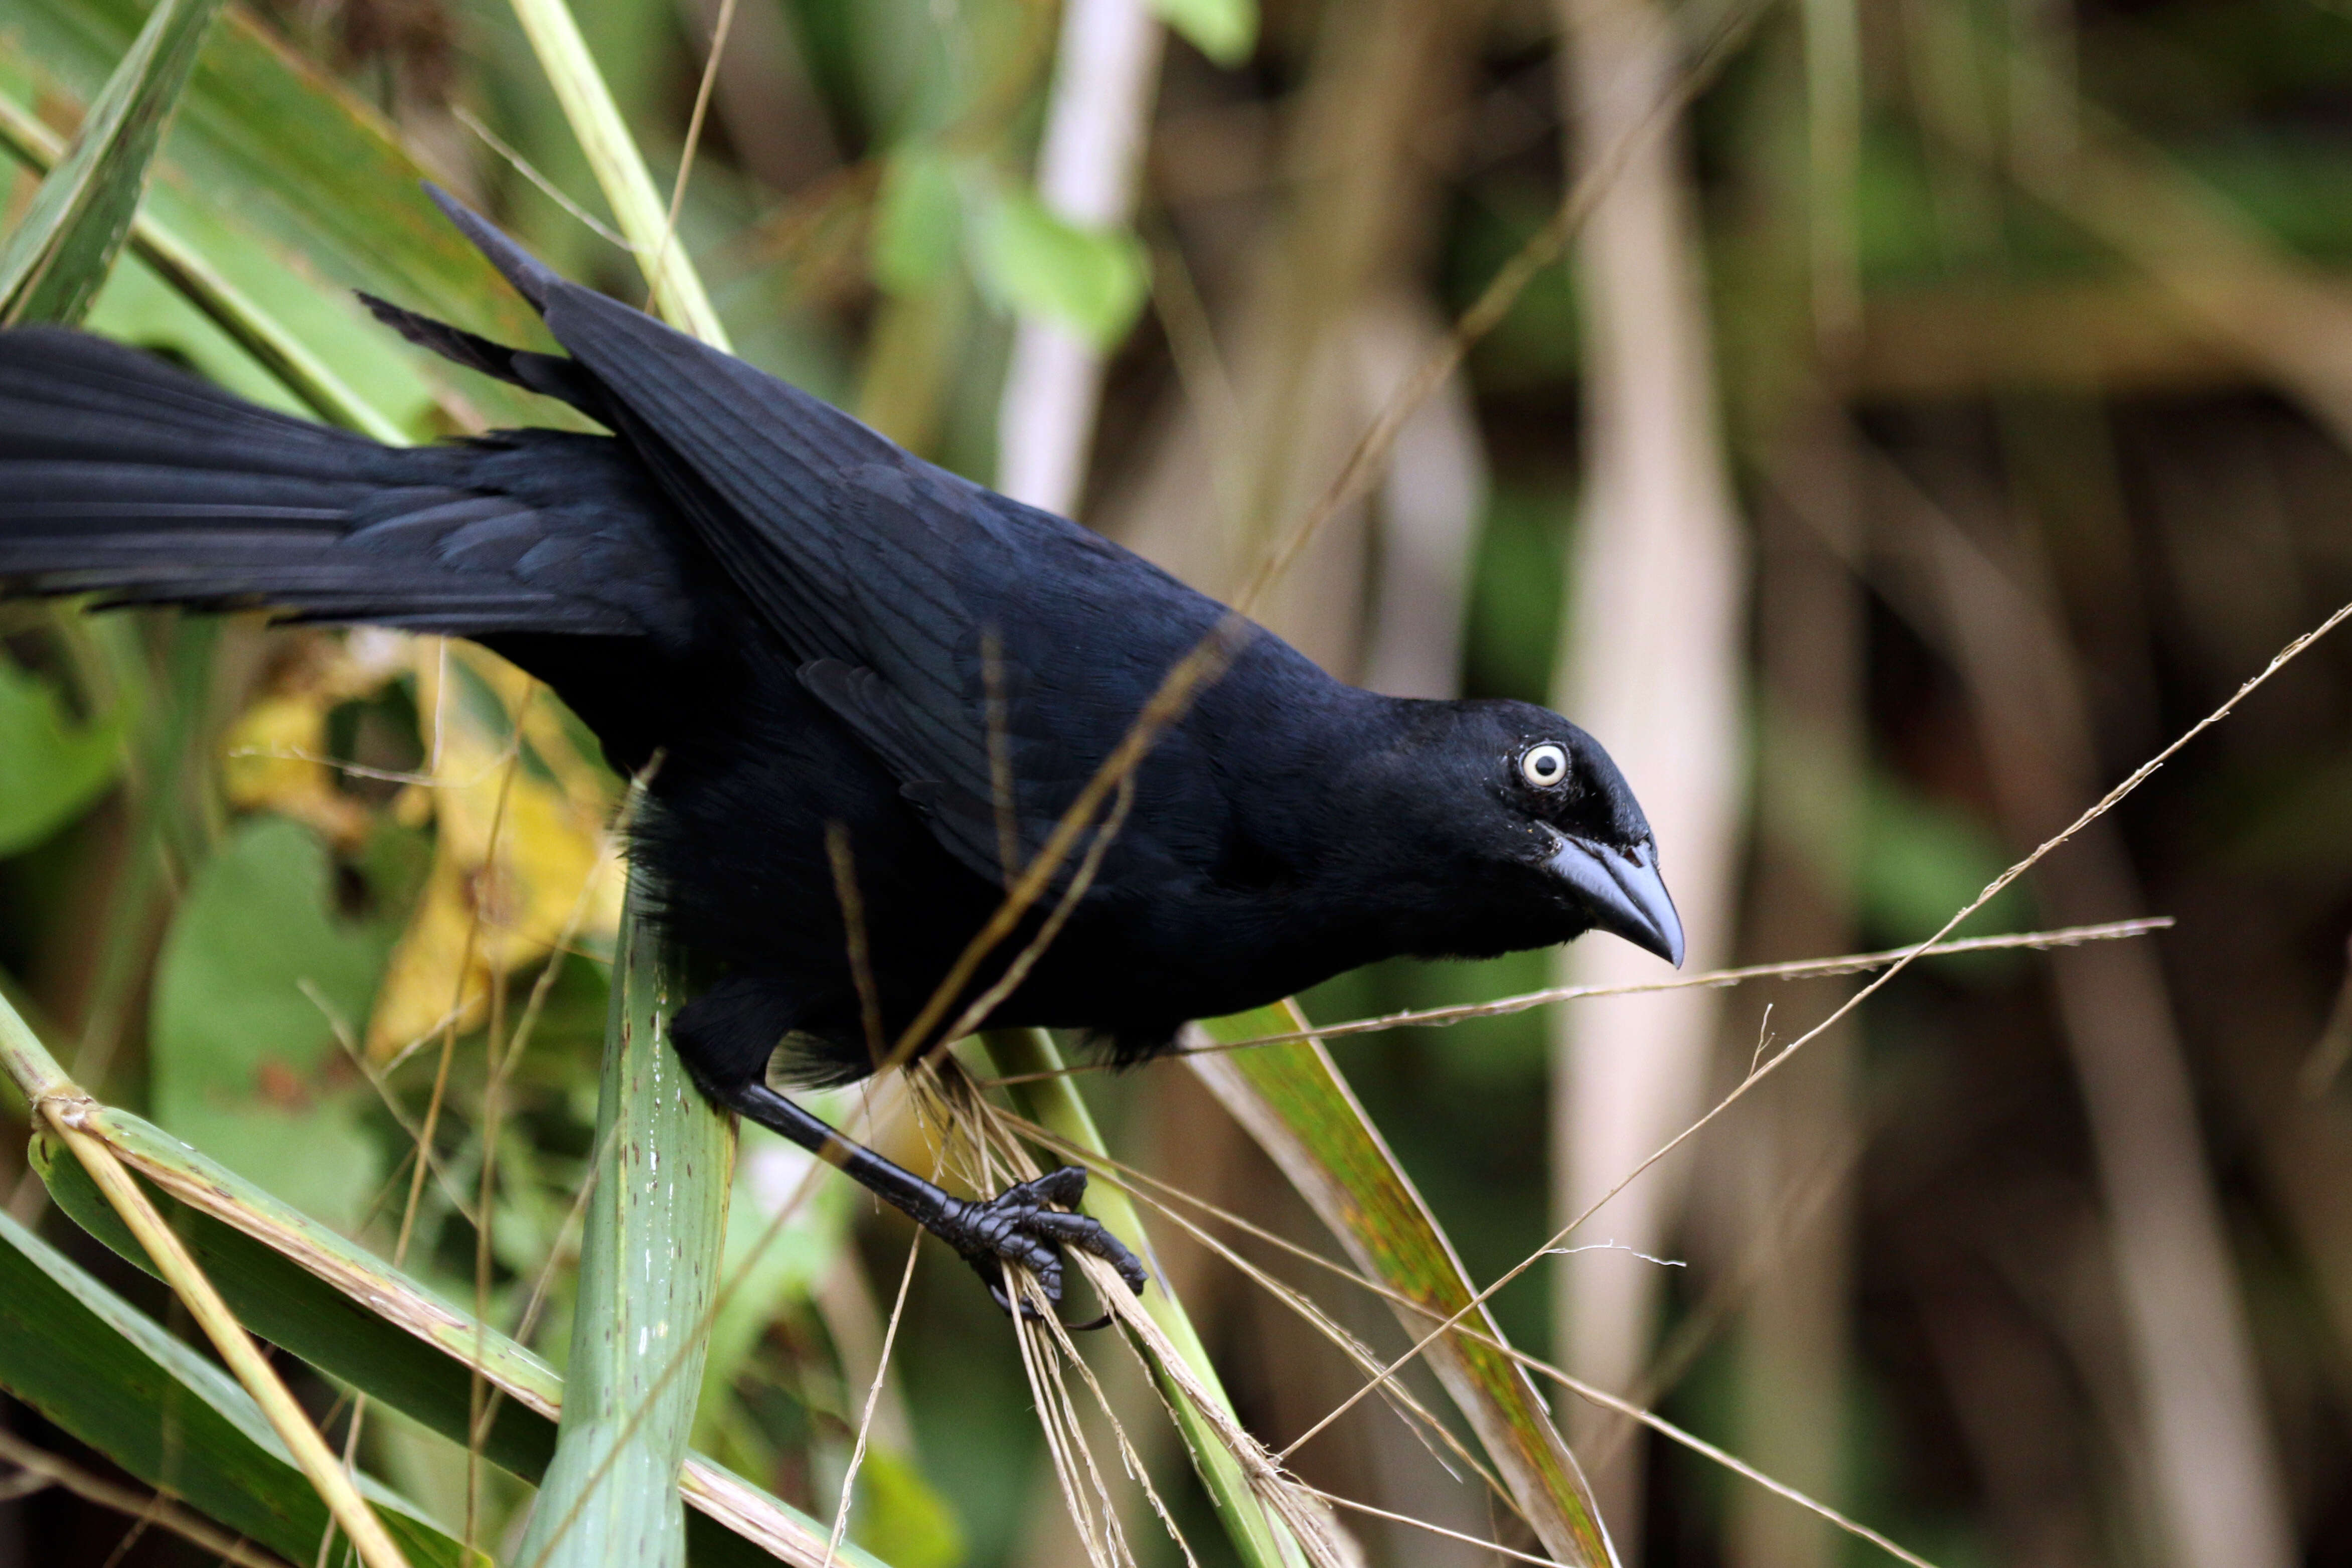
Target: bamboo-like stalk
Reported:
point(1106, 69)
point(1054, 1101)
point(650, 1254)
point(648, 1269)
point(63, 1106)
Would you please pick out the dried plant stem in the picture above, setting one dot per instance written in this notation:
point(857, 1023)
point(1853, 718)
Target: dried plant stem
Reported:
point(873, 1402)
point(1054, 1103)
point(63, 1109)
point(1800, 969)
point(1133, 1181)
point(629, 190)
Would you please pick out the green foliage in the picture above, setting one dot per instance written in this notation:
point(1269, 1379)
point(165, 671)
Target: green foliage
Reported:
point(1225, 30)
point(1092, 282)
point(257, 979)
point(901, 1518)
point(295, 192)
point(51, 769)
point(1922, 858)
point(117, 1380)
point(57, 256)
point(917, 219)
point(341, 1309)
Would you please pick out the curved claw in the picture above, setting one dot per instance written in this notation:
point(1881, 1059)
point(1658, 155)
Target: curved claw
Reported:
point(1018, 1226)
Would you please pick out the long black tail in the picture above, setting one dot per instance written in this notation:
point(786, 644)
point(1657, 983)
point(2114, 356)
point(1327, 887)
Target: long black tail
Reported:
point(123, 477)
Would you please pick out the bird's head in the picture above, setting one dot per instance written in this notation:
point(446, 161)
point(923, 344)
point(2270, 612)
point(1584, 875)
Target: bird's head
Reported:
point(1548, 808)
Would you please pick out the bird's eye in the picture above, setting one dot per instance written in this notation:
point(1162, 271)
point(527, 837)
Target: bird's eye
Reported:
point(1544, 765)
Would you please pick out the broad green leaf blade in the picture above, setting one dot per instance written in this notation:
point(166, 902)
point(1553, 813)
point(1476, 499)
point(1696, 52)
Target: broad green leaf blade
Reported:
point(50, 769)
point(649, 1258)
point(1054, 1101)
point(101, 1369)
point(277, 346)
point(54, 261)
point(330, 1302)
point(254, 978)
point(289, 189)
point(1292, 1100)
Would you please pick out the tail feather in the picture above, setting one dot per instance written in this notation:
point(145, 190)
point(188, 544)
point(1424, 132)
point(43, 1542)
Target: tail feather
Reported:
point(124, 478)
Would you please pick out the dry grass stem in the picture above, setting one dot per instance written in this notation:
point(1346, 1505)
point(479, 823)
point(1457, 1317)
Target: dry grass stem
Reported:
point(1800, 969)
point(873, 1402)
point(547, 187)
point(2091, 814)
point(68, 1113)
point(1134, 1183)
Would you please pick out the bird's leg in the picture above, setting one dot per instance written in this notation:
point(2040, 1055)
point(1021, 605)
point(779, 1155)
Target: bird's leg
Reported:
point(1020, 1224)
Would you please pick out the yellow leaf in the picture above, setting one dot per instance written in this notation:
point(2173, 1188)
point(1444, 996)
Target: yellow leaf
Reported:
point(519, 842)
point(275, 757)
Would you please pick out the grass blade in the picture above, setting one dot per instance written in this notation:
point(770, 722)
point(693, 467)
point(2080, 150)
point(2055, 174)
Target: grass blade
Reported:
point(97, 1367)
point(66, 1112)
point(629, 190)
point(52, 265)
point(1054, 1102)
point(1292, 1100)
point(183, 265)
point(649, 1261)
point(290, 191)
point(337, 1307)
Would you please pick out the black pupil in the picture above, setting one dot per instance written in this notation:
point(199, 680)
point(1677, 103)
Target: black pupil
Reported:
point(1547, 765)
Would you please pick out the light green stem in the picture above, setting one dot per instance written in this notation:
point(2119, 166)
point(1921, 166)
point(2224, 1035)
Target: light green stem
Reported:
point(649, 1265)
point(629, 190)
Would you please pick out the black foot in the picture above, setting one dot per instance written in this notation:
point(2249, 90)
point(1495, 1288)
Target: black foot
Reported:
point(1018, 1226)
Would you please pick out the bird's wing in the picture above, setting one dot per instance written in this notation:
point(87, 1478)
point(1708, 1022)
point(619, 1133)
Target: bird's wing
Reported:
point(122, 477)
point(964, 636)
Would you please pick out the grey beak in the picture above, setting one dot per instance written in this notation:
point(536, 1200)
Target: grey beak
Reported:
point(1628, 897)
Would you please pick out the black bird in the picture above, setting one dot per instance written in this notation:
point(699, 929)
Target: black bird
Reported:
point(831, 644)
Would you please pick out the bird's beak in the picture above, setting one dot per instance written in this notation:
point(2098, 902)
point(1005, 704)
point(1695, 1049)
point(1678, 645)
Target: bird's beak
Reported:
point(1628, 897)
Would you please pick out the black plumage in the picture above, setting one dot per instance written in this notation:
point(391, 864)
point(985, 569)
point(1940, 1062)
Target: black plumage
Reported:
point(826, 639)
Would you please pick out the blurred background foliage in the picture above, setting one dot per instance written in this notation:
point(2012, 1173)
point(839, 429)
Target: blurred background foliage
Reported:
point(2059, 287)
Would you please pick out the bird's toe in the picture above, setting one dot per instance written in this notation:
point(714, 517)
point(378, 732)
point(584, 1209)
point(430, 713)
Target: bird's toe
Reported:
point(1019, 1226)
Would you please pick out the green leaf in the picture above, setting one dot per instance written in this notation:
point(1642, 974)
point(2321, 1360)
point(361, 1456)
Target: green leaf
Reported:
point(1225, 30)
point(289, 190)
point(774, 1268)
point(1089, 280)
point(98, 1368)
point(1922, 858)
point(1292, 1100)
point(255, 979)
point(51, 770)
point(53, 263)
point(339, 1307)
point(918, 220)
point(901, 1518)
point(325, 382)
point(139, 308)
